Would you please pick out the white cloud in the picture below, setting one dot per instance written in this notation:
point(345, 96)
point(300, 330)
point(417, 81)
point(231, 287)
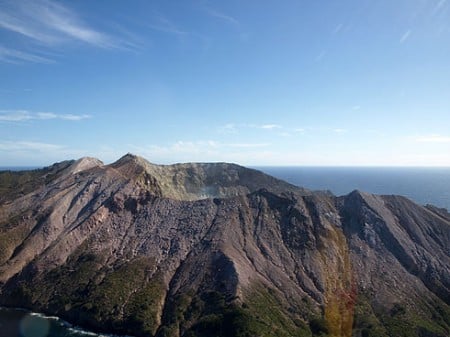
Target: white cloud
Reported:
point(434, 139)
point(11, 146)
point(45, 24)
point(233, 128)
point(199, 151)
point(35, 153)
point(14, 116)
point(16, 56)
point(163, 24)
point(228, 128)
point(405, 36)
point(225, 17)
point(340, 131)
point(71, 117)
point(269, 126)
point(247, 145)
point(25, 115)
point(338, 28)
point(440, 4)
point(48, 22)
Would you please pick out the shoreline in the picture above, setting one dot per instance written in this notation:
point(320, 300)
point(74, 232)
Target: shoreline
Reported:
point(72, 327)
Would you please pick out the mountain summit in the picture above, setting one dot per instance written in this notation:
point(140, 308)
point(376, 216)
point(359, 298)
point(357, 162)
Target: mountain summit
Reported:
point(217, 249)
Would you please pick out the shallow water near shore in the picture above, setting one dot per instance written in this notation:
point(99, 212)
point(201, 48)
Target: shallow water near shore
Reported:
point(22, 323)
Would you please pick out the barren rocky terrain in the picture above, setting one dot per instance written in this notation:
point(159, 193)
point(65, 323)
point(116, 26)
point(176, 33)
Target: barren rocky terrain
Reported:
point(219, 250)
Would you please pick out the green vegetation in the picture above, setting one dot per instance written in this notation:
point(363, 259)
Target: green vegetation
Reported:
point(126, 300)
point(211, 314)
point(422, 319)
point(13, 184)
point(271, 317)
point(123, 299)
point(366, 323)
point(12, 234)
point(417, 320)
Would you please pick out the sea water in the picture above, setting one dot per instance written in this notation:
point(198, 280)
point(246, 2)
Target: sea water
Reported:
point(21, 323)
point(422, 185)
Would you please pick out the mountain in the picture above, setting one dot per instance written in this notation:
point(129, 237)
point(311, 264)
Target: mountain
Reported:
point(219, 250)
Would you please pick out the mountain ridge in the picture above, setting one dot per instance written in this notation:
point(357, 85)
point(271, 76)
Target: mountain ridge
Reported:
point(133, 247)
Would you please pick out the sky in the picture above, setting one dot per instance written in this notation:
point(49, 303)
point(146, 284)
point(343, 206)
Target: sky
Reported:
point(254, 82)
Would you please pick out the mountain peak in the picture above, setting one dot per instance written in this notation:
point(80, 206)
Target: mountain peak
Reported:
point(84, 163)
point(130, 158)
point(131, 165)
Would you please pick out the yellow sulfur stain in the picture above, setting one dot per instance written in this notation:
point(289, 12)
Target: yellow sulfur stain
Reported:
point(340, 287)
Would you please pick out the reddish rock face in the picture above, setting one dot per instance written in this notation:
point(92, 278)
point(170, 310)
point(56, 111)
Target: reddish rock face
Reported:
point(218, 249)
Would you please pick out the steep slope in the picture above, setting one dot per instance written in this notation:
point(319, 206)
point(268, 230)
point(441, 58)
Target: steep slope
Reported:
point(221, 250)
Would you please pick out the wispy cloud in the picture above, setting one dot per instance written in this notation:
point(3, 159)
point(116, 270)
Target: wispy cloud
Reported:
point(210, 150)
point(439, 5)
point(47, 24)
point(228, 128)
point(280, 130)
point(338, 28)
point(16, 56)
point(434, 139)
point(405, 36)
point(269, 126)
point(163, 24)
point(36, 152)
point(25, 115)
point(340, 131)
point(247, 145)
point(201, 146)
point(12, 146)
point(222, 16)
point(234, 128)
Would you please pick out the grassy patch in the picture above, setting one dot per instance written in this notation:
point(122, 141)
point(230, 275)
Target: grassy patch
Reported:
point(11, 238)
point(14, 184)
point(366, 323)
point(212, 314)
point(419, 321)
point(123, 299)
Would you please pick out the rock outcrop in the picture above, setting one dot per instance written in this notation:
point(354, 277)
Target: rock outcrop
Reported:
point(219, 250)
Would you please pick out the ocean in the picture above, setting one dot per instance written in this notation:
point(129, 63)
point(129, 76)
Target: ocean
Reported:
point(424, 185)
point(21, 323)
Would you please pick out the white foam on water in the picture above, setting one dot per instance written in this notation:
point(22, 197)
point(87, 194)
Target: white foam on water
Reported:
point(70, 327)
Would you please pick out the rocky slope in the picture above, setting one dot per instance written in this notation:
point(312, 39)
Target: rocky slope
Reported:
point(219, 250)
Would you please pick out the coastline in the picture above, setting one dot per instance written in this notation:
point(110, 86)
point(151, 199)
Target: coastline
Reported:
point(71, 327)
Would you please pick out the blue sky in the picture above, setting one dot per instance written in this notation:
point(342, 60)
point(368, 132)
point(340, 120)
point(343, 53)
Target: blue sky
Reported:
point(351, 82)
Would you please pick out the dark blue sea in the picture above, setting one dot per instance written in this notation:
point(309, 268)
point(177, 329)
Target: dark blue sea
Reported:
point(422, 185)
